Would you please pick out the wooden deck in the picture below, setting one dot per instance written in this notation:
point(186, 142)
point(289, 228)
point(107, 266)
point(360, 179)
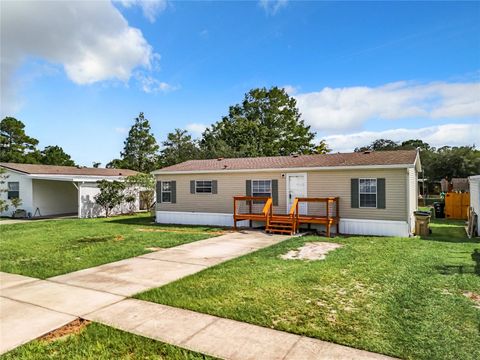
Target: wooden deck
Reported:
point(291, 222)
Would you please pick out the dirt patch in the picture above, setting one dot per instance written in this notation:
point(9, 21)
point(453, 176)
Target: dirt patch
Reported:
point(119, 238)
point(153, 248)
point(474, 297)
point(311, 251)
point(94, 239)
point(73, 328)
point(182, 231)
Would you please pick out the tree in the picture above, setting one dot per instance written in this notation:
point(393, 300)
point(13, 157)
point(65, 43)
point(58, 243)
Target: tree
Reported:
point(266, 123)
point(322, 148)
point(140, 147)
point(458, 162)
point(178, 147)
point(116, 164)
point(16, 203)
point(54, 155)
point(96, 164)
point(437, 164)
point(379, 145)
point(111, 194)
point(15, 144)
point(144, 184)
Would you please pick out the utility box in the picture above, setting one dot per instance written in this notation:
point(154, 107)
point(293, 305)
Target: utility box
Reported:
point(422, 222)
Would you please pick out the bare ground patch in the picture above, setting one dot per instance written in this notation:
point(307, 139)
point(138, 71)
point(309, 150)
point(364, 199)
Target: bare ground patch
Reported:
point(474, 297)
point(72, 328)
point(311, 251)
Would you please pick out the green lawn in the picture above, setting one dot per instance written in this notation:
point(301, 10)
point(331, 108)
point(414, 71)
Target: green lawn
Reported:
point(47, 248)
point(97, 342)
point(398, 296)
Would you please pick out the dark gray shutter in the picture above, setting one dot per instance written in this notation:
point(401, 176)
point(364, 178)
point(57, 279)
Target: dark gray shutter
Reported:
point(159, 191)
point(275, 192)
point(381, 196)
point(173, 189)
point(192, 186)
point(248, 188)
point(354, 193)
point(214, 187)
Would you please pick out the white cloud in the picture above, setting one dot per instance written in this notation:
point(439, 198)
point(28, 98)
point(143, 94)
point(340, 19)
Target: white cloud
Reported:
point(290, 89)
point(271, 7)
point(149, 84)
point(334, 109)
point(437, 136)
point(150, 8)
point(90, 39)
point(196, 129)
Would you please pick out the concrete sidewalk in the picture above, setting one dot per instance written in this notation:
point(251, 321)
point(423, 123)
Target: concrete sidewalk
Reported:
point(222, 338)
point(31, 307)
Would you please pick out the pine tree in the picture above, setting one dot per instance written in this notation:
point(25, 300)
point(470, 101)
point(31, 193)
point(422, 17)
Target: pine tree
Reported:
point(140, 150)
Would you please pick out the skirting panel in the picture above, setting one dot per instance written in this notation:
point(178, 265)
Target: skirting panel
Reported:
point(196, 218)
point(374, 227)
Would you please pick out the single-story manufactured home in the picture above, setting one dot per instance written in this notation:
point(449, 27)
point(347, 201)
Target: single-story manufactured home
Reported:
point(47, 190)
point(377, 192)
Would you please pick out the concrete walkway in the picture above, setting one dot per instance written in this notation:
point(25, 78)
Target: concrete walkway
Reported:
point(31, 307)
point(222, 338)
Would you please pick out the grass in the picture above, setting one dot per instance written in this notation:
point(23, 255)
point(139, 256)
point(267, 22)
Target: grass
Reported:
point(97, 342)
point(403, 297)
point(47, 248)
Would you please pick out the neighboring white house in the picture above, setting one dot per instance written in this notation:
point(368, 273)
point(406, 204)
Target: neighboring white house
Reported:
point(475, 195)
point(47, 190)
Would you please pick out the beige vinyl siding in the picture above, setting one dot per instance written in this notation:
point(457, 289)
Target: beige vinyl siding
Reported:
point(337, 183)
point(319, 184)
point(228, 185)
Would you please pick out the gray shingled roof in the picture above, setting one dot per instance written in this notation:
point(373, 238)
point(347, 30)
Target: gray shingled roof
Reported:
point(374, 158)
point(65, 170)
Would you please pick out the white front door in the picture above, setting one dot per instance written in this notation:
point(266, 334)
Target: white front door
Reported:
point(296, 187)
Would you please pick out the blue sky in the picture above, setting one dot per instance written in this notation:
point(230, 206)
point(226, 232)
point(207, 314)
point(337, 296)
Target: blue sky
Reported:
point(77, 73)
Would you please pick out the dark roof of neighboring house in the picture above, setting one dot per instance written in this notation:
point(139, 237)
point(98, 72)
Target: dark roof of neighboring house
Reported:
point(65, 170)
point(374, 158)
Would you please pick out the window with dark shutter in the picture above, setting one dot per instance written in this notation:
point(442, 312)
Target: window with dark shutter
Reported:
point(159, 192)
point(381, 194)
point(367, 190)
point(203, 187)
point(166, 192)
point(354, 193)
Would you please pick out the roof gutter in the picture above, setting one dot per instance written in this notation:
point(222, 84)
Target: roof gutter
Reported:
point(297, 169)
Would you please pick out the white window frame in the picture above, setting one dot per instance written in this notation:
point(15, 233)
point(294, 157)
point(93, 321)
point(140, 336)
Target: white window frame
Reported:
point(204, 193)
point(169, 191)
point(269, 180)
point(360, 192)
point(9, 191)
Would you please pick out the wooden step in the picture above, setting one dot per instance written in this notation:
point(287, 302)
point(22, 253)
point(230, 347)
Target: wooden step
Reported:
point(283, 231)
point(280, 226)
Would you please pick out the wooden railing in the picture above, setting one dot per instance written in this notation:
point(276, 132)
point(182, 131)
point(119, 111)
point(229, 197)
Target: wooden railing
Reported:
point(293, 214)
point(328, 219)
point(263, 216)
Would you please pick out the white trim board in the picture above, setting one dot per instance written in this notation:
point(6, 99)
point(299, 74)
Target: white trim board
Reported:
point(285, 170)
point(197, 218)
point(374, 227)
